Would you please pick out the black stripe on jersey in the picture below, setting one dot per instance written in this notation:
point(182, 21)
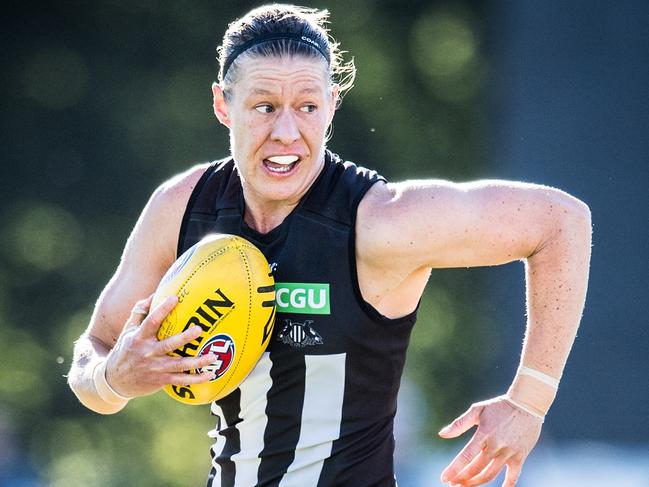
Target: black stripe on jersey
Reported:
point(368, 460)
point(210, 477)
point(231, 407)
point(284, 414)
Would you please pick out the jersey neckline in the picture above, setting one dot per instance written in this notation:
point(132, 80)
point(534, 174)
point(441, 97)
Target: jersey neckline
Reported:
point(271, 235)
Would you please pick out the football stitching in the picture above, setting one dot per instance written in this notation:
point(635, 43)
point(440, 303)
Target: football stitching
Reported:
point(239, 244)
point(244, 257)
point(209, 258)
point(204, 262)
point(255, 249)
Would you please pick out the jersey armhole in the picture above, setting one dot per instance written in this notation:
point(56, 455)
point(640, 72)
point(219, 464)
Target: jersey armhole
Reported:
point(190, 205)
point(369, 310)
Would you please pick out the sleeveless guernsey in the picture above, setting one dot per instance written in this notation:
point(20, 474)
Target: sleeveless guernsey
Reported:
point(318, 408)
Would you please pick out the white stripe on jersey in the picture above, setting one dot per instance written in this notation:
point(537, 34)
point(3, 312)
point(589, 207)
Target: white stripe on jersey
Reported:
point(219, 444)
point(324, 389)
point(251, 431)
point(253, 408)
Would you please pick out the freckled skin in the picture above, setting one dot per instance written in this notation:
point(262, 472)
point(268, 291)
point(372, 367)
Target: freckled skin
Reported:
point(481, 224)
point(300, 102)
point(403, 230)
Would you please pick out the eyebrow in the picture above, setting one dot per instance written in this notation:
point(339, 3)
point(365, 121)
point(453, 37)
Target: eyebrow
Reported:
point(311, 90)
point(262, 91)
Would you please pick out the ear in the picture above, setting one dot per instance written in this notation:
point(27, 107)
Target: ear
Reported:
point(335, 101)
point(219, 104)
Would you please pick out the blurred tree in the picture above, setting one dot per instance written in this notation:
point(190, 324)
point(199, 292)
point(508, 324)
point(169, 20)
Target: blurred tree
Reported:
point(102, 101)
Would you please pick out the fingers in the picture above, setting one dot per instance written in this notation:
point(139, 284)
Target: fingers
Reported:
point(475, 467)
point(484, 468)
point(186, 364)
point(488, 474)
point(470, 418)
point(466, 456)
point(139, 312)
point(183, 379)
point(513, 472)
point(504, 437)
point(173, 342)
point(142, 306)
point(180, 367)
point(151, 324)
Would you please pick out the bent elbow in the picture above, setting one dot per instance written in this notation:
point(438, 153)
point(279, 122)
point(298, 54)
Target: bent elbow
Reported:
point(580, 215)
point(575, 221)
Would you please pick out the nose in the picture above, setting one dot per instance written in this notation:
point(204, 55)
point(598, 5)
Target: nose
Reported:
point(285, 129)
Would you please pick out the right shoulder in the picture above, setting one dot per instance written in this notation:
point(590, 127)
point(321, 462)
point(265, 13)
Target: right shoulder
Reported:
point(164, 212)
point(149, 252)
point(175, 192)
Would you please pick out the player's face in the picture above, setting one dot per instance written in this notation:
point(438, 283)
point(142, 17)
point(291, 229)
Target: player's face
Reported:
point(278, 116)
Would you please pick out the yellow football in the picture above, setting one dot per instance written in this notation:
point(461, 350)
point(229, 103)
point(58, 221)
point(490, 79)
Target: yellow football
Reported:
point(224, 285)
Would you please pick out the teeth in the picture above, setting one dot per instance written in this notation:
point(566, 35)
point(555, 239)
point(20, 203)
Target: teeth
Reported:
point(284, 160)
point(276, 169)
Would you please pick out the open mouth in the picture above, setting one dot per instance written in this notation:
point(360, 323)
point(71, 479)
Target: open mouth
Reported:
point(281, 164)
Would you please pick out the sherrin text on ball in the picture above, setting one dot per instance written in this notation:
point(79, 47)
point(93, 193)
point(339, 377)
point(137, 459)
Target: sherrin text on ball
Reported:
point(224, 285)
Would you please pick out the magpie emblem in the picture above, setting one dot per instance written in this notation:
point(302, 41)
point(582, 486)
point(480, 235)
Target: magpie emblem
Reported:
point(299, 335)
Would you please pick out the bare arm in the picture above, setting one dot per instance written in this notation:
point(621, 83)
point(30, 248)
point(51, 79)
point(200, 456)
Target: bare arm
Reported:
point(149, 251)
point(406, 229)
point(409, 228)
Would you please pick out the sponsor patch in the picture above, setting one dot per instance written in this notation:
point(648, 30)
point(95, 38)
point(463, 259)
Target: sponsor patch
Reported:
point(302, 297)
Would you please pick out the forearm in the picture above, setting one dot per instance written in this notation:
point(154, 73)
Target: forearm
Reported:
point(556, 283)
point(87, 377)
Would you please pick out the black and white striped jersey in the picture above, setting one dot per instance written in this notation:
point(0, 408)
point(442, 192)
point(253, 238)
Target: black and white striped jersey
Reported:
point(318, 408)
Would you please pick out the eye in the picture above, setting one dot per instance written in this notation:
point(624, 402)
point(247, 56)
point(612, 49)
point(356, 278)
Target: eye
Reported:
point(264, 108)
point(308, 108)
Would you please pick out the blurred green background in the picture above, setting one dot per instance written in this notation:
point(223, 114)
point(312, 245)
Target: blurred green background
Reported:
point(102, 101)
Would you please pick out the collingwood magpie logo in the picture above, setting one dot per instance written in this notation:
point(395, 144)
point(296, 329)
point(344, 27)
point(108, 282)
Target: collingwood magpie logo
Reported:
point(299, 335)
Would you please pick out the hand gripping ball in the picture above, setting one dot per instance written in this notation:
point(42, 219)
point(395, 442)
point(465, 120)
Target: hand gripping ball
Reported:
point(225, 286)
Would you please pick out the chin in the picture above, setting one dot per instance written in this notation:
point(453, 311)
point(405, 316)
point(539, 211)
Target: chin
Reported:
point(282, 193)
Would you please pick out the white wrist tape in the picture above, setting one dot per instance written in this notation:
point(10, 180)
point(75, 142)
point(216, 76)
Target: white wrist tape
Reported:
point(523, 407)
point(532, 391)
point(551, 381)
point(105, 391)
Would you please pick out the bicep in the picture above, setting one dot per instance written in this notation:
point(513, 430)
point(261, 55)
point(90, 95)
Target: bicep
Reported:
point(149, 251)
point(114, 305)
point(445, 224)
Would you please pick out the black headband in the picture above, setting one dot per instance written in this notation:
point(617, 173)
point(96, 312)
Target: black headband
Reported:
point(302, 39)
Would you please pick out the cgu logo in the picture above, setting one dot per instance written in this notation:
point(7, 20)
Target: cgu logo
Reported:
point(302, 297)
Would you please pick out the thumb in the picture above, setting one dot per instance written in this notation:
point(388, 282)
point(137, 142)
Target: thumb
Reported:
point(463, 423)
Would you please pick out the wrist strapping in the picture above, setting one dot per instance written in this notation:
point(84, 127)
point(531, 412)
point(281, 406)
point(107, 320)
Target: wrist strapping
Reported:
point(105, 391)
point(532, 391)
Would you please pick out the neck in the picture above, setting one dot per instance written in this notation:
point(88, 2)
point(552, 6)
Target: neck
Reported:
point(265, 217)
point(263, 214)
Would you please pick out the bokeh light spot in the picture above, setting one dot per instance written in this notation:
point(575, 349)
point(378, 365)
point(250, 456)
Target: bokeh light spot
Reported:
point(20, 376)
point(75, 470)
point(187, 98)
point(45, 236)
point(56, 77)
point(444, 48)
point(443, 44)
